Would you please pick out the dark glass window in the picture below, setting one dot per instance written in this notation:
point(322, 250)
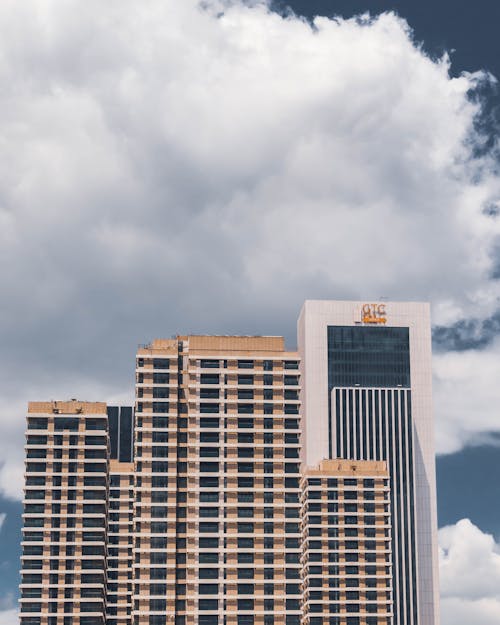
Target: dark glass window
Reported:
point(209, 378)
point(37, 423)
point(245, 379)
point(245, 364)
point(161, 378)
point(369, 357)
point(160, 392)
point(209, 408)
point(209, 364)
point(209, 393)
point(66, 423)
point(245, 393)
point(161, 363)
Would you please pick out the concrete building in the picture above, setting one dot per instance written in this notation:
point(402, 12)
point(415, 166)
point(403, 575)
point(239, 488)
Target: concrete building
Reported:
point(249, 488)
point(217, 472)
point(64, 572)
point(346, 544)
point(366, 395)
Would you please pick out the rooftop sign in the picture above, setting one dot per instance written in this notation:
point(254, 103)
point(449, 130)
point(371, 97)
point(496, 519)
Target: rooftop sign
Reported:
point(374, 314)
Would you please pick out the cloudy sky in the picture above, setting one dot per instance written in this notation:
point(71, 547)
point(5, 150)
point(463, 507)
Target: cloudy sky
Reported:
point(172, 167)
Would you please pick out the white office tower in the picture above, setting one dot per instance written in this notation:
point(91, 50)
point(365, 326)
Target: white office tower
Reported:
point(366, 395)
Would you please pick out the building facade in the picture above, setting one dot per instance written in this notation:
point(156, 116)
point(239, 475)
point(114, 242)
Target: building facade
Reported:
point(366, 395)
point(64, 568)
point(246, 487)
point(217, 472)
point(346, 544)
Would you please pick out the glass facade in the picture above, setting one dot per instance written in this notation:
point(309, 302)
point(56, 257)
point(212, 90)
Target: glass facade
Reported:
point(370, 418)
point(121, 433)
point(369, 357)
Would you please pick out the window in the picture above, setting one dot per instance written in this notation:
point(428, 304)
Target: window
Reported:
point(245, 393)
point(37, 423)
point(208, 558)
point(246, 497)
point(245, 452)
point(208, 589)
point(245, 558)
point(161, 378)
point(208, 619)
point(245, 364)
point(245, 380)
point(209, 543)
point(209, 393)
point(160, 423)
point(245, 528)
point(209, 378)
point(208, 604)
point(209, 496)
point(245, 408)
point(209, 452)
point(209, 437)
point(161, 363)
point(245, 482)
point(243, 467)
point(209, 467)
point(206, 408)
point(66, 423)
point(212, 423)
point(208, 528)
point(159, 392)
point(206, 363)
point(209, 482)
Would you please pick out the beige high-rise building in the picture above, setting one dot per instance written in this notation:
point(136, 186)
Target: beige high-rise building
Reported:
point(196, 509)
point(346, 544)
point(64, 573)
point(217, 474)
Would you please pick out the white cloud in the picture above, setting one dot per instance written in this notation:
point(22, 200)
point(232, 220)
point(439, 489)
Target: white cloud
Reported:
point(467, 396)
point(166, 170)
point(2, 519)
point(9, 617)
point(470, 576)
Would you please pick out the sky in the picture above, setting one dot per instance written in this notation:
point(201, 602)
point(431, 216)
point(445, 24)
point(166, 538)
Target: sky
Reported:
point(184, 167)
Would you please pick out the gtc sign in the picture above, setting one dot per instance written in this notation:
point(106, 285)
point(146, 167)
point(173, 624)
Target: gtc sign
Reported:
point(373, 313)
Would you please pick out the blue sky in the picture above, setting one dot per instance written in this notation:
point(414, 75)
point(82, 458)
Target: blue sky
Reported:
point(168, 168)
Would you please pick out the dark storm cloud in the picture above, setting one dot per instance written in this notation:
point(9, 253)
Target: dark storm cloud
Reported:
point(466, 334)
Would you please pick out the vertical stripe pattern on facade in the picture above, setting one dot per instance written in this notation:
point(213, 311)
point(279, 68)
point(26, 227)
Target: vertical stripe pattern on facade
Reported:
point(376, 424)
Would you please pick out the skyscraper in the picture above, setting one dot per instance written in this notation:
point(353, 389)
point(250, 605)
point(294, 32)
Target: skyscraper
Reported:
point(217, 482)
point(366, 395)
point(197, 510)
point(64, 569)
